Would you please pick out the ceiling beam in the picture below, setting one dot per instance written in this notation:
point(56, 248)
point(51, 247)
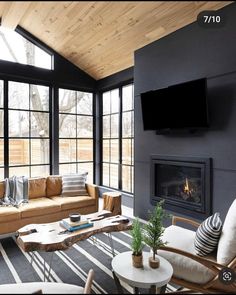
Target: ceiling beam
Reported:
point(13, 13)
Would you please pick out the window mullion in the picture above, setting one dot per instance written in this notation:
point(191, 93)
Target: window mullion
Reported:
point(6, 130)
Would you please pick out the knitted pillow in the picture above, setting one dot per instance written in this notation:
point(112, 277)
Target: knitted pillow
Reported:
point(74, 185)
point(208, 235)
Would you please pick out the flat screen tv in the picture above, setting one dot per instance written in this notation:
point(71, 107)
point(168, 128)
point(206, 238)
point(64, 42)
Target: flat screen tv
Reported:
point(177, 107)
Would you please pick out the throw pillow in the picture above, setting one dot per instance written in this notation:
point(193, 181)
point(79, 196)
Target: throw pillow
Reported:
point(74, 185)
point(208, 235)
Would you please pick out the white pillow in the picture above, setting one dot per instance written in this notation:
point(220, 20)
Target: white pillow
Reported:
point(74, 185)
point(227, 243)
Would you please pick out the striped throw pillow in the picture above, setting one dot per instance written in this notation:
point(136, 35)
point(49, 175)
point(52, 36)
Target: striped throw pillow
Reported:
point(208, 235)
point(74, 185)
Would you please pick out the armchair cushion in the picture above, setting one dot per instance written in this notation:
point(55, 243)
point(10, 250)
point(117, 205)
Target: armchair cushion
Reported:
point(227, 243)
point(184, 267)
point(208, 235)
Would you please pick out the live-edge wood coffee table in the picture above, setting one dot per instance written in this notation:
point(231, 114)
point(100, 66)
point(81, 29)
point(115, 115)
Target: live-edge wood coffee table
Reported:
point(50, 237)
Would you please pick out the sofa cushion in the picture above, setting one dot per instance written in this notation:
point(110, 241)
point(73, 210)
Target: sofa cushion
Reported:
point(9, 214)
point(67, 203)
point(2, 188)
point(54, 185)
point(39, 206)
point(227, 243)
point(185, 268)
point(74, 184)
point(37, 187)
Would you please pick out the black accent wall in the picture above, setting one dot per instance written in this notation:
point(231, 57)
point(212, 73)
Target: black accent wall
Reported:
point(190, 53)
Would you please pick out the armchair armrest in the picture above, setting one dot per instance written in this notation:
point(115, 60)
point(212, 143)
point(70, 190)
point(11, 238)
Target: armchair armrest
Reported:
point(176, 219)
point(212, 265)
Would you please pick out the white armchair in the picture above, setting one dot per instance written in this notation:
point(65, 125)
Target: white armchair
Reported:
point(201, 273)
point(48, 288)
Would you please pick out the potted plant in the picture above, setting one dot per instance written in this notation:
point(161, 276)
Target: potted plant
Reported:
point(137, 243)
point(153, 232)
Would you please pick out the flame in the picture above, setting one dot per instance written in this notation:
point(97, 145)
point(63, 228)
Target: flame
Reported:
point(186, 187)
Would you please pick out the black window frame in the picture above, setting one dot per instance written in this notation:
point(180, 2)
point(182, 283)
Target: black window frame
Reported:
point(119, 138)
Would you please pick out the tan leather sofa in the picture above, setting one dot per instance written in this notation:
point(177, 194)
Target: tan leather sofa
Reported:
point(45, 204)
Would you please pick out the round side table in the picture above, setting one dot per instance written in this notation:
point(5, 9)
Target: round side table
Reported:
point(146, 277)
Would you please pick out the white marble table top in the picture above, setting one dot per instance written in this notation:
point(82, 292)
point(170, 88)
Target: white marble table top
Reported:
point(141, 277)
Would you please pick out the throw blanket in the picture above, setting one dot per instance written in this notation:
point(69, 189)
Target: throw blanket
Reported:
point(16, 190)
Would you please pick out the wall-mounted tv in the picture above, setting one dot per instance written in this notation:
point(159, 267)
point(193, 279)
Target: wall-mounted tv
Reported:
point(177, 107)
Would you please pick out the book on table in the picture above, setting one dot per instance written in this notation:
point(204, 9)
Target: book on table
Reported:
point(72, 226)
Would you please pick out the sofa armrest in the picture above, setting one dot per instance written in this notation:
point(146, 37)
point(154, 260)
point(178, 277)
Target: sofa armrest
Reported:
point(92, 190)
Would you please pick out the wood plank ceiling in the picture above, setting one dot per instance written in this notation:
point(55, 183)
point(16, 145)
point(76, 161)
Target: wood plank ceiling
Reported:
point(100, 37)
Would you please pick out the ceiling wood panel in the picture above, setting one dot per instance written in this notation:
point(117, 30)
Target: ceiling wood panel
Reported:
point(100, 37)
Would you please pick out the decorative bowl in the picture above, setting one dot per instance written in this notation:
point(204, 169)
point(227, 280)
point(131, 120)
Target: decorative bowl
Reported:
point(74, 217)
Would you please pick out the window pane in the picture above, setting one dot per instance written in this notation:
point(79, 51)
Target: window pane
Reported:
point(39, 124)
point(39, 171)
point(88, 167)
point(67, 101)
point(84, 126)
point(115, 101)
point(39, 98)
point(127, 98)
point(85, 150)
point(2, 173)
point(114, 126)
point(39, 151)
point(1, 152)
point(1, 94)
point(105, 174)
point(1, 123)
point(18, 95)
point(127, 126)
point(19, 171)
point(18, 124)
point(85, 103)
point(127, 150)
point(67, 150)
point(114, 176)
point(67, 126)
point(106, 126)
point(106, 150)
point(106, 103)
point(19, 151)
point(127, 178)
point(114, 151)
point(16, 48)
point(67, 169)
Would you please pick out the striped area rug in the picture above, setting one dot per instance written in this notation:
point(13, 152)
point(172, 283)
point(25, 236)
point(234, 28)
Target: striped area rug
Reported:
point(70, 266)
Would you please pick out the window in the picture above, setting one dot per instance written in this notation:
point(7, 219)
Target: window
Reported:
point(16, 48)
point(75, 132)
point(28, 129)
point(118, 137)
point(1, 131)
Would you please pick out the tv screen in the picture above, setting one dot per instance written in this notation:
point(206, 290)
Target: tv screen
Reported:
point(179, 106)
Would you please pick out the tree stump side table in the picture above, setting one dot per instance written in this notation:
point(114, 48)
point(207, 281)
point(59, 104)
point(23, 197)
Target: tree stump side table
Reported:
point(112, 202)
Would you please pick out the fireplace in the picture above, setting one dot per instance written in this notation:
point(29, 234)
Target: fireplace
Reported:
point(184, 183)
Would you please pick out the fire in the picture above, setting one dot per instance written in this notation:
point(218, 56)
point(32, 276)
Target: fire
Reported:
point(187, 190)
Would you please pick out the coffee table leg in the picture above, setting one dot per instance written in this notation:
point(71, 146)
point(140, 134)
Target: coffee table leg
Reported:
point(111, 243)
point(118, 285)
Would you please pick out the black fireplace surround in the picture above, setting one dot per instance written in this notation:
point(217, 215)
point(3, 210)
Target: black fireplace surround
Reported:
point(184, 183)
